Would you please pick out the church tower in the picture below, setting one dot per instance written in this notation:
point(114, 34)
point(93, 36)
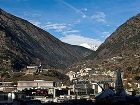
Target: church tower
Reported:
point(118, 83)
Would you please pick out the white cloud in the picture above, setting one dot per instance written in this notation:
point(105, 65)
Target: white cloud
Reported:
point(99, 17)
point(84, 16)
point(73, 8)
point(108, 25)
point(59, 27)
point(80, 40)
point(62, 28)
point(77, 21)
point(71, 36)
point(73, 31)
point(36, 23)
point(70, 32)
point(105, 34)
point(85, 9)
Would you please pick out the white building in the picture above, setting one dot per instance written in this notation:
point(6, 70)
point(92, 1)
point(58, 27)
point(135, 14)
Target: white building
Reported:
point(31, 69)
point(72, 75)
point(7, 86)
point(6, 98)
point(34, 84)
point(97, 89)
point(85, 72)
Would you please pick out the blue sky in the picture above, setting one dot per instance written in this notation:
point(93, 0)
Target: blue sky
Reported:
point(75, 21)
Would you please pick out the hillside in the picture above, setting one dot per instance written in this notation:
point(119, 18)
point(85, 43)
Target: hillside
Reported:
point(22, 44)
point(50, 75)
point(120, 49)
point(124, 41)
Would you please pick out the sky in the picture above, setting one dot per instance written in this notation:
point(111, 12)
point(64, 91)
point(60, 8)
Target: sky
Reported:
point(77, 22)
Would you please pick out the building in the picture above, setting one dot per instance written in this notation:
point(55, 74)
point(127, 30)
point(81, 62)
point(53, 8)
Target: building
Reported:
point(72, 75)
point(6, 98)
point(84, 72)
point(82, 87)
point(96, 88)
point(99, 77)
point(34, 84)
point(117, 95)
point(7, 86)
point(31, 69)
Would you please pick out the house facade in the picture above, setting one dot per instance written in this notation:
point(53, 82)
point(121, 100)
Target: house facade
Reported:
point(34, 84)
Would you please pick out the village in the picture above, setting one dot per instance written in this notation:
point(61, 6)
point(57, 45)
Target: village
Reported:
point(85, 84)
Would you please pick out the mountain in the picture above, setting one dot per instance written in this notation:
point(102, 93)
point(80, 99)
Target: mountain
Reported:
point(89, 46)
point(22, 44)
point(120, 49)
point(125, 41)
point(49, 75)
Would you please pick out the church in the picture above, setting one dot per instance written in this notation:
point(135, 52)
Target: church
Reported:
point(110, 95)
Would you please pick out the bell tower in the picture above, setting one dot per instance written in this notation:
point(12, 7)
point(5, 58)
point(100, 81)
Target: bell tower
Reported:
point(118, 83)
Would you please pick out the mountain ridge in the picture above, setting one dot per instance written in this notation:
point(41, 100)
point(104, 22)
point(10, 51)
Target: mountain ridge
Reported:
point(124, 38)
point(22, 44)
point(120, 49)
